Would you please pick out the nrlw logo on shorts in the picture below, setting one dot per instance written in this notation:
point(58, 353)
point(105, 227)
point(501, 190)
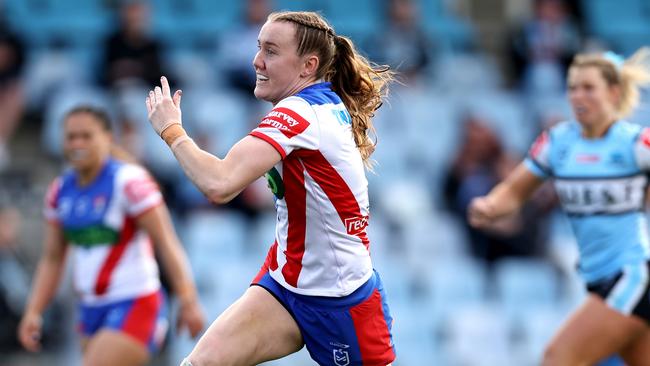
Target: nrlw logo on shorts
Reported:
point(356, 225)
point(287, 121)
point(341, 356)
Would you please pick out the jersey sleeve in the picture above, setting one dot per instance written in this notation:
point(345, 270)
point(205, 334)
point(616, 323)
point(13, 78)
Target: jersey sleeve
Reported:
point(289, 126)
point(51, 202)
point(538, 158)
point(642, 149)
point(139, 190)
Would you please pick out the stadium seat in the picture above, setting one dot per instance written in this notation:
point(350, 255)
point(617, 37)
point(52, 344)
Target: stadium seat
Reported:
point(478, 335)
point(522, 284)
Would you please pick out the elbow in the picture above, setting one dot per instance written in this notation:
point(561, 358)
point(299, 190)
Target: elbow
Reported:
point(218, 194)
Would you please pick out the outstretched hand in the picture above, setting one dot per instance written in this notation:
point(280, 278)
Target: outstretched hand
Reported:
point(163, 110)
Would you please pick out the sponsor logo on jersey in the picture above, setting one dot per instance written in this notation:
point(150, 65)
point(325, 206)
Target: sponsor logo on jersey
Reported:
point(99, 203)
point(356, 225)
point(601, 196)
point(276, 185)
point(138, 189)
point(286, 121)
point(616, 158)
point(538, 145)
point(645, 137)
point(587, 158)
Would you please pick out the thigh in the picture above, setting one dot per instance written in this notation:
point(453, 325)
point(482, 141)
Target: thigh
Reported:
point(592, 333)
point(637, 353)
point(256, 328)
point(109, 347)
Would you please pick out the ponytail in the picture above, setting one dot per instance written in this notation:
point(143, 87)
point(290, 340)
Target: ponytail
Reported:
point(362, 87)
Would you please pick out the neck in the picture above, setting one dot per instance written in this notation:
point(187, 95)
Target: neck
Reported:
point(598, 130)
point(88, 175)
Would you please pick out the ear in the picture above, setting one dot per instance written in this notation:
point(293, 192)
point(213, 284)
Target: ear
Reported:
point(309, 66)
point(615, 94)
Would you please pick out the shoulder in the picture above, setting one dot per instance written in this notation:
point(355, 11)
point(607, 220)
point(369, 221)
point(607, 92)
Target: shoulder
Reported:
point(564, 129)
point(128, 172)
point(291, 114)
point(631, 130)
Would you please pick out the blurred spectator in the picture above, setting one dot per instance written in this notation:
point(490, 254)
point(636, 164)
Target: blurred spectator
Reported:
point(403, 44)
point(239, 46)
point(12, 102)
point(542, 48)
point(14, 281)
point(480, 164)
point(132, 57)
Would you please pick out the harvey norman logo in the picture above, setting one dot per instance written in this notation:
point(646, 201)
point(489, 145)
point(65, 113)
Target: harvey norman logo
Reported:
point(287, 121)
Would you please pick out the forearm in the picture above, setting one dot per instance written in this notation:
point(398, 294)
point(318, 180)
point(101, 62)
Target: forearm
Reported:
point(177, 265)
point(205, 170)
point(46, 283)
point(503, 202)
point(157, 223)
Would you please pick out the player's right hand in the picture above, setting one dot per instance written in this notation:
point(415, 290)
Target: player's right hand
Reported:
point(163, 108)
point(29, 331)
point(480, 212)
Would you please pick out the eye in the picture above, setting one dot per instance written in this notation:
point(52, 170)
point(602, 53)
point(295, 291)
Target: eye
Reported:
point(270, 51)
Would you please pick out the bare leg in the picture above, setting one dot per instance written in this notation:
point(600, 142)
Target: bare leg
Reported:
point(109, 347)
point(638, 352)
point(256, 328)
point(592, 333)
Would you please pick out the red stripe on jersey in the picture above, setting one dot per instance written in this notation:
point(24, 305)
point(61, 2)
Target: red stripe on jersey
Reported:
point(271, 262)
point(296, 197)
point(372, 331)
point(104, 277)
point(338, 192)
point(286, 121)
point(645, 136)
point(52, 195)
point(271, 141)
point(539, 144)
point(140, 323)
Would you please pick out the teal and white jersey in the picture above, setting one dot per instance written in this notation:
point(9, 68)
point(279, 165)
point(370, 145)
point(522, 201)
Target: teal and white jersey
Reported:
point(601, 184)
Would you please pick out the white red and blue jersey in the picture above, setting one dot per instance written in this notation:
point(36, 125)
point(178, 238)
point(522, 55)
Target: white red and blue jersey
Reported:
point(113, 258)
point(321, 195)
point(601, 184)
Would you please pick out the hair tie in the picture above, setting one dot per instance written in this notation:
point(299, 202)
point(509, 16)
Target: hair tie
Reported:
point(614, 58)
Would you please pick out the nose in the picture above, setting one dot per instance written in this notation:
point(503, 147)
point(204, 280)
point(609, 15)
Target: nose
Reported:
point(257, 61)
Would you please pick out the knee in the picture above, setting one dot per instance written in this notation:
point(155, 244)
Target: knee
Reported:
point(213, 358)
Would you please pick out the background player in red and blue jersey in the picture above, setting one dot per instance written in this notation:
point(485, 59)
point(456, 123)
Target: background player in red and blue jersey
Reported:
point(108, 212)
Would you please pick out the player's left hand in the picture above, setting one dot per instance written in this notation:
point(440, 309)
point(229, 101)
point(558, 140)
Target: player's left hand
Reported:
point(190, 316)
point(163, 110)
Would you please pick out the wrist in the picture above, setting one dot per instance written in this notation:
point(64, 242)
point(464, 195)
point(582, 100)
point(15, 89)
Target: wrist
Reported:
point(186, 296)
point(172, 132)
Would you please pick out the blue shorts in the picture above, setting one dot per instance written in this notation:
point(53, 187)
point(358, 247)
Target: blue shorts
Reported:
point(349, 330)
point(143, 318)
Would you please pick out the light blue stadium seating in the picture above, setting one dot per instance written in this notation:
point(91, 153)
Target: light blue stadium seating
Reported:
point(522, 284)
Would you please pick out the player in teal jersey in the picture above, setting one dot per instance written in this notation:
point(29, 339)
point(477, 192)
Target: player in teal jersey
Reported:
point(599, 163)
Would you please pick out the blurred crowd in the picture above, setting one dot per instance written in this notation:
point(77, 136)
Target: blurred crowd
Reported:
point(462, 116)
